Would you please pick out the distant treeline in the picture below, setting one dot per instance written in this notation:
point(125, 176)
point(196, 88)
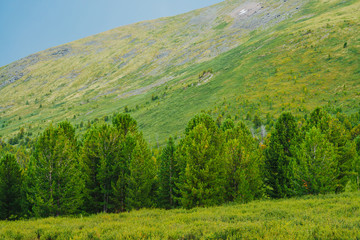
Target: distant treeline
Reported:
point(112, 169)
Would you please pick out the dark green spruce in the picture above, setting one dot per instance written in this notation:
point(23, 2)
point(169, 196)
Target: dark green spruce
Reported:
point(279, 155)
point(168, 173)
point(10, 187)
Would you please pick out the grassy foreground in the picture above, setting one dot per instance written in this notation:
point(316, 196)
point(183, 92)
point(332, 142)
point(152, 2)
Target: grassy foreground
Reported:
point(314, 217)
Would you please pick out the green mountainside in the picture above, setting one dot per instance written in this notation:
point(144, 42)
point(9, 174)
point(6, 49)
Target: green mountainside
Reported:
point(237, 57)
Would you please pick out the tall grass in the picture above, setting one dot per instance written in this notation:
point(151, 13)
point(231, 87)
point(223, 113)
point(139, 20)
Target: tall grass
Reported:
point(311, 217)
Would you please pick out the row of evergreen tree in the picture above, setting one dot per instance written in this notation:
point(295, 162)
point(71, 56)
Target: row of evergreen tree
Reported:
point(113, 170)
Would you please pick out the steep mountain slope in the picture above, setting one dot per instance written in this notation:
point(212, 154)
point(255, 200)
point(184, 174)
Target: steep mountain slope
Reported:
point(257, 57)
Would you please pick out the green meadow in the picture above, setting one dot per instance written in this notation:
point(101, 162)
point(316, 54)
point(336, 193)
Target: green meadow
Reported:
point(311, 217)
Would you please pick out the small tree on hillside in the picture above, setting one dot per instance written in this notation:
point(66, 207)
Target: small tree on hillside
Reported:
point(257, 121)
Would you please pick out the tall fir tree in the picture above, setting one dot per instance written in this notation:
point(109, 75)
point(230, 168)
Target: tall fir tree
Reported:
point(10, 188)
point(168, 173)
point(127, 128)
point(141, 189)
point(340, 137)
point(243, 161)
point(279, 155)
point(100, 157)
point(317, 170)
point(54, 179)
point(108, 159)
point(202, 178)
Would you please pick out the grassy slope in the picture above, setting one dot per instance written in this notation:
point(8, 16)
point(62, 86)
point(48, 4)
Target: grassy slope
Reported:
point(285, 68)
point(320, 217)
point(293, 60)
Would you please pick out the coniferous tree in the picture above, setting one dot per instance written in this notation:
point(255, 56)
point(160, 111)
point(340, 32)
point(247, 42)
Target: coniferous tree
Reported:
point(142, 168)
point(202, 177)
point(168, 173)
point(257, 121)
point(340, 137)
point(204, 119)
point(242, 157)
point(317, 169)
point(109, 160)
point(10, 188)
point(125, 124)
point(279, 155)
point(100, 157)
point(357, 162)
point(127, 128)
point(355, 132)
point(228, 124)
point(54, 182)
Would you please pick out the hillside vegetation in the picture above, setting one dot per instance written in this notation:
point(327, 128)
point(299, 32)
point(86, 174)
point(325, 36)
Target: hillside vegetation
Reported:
point(112, 169)
point(320, 217)
point(241, 105)
point(258, 58)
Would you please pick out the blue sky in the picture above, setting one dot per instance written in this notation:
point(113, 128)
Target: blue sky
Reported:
point(29, 26)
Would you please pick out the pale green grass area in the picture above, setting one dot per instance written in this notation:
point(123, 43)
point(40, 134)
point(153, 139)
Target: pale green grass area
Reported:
point(313, 217)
